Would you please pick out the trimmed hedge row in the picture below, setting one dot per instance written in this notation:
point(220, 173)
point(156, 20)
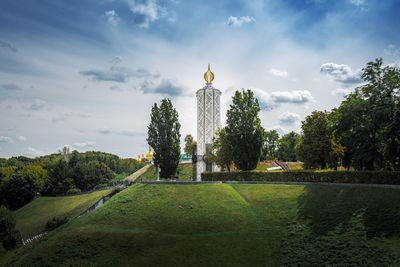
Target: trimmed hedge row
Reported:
point(356, 177)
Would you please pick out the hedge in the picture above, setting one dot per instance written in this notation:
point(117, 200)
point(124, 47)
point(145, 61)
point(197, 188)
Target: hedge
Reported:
point(356, 177)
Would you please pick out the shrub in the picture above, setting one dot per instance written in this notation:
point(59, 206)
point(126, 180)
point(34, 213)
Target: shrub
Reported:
point(9, 237)
point(55, 222)
point(99, 186)
point(74, 191)
point(359, 177)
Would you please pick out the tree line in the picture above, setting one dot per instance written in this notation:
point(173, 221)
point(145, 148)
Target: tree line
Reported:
point(22, 178)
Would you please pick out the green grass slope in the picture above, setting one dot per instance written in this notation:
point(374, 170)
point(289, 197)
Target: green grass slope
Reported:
point(227, 225)
point(32, 218)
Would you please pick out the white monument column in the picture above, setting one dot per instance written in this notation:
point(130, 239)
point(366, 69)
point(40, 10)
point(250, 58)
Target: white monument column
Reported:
point(208, 122)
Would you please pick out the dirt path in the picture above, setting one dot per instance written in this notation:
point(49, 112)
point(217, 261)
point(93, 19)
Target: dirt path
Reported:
point(136, 174)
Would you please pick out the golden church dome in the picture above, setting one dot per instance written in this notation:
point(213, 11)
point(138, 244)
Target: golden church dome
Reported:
point(150, 154)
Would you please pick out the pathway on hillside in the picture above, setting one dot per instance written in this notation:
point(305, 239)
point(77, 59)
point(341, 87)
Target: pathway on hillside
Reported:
point(135, 175)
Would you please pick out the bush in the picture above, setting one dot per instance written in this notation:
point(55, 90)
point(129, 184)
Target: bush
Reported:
point(359, 177)
point(17, 191)
point(55, 222)
point(9, 237)
point(99, 186)
point(74, 191)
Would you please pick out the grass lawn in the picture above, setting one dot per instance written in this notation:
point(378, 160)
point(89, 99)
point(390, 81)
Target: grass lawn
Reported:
point(227, 225)
point(32, 218)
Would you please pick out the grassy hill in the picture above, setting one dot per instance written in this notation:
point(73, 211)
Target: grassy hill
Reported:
point(227, 225)
point(32, 218)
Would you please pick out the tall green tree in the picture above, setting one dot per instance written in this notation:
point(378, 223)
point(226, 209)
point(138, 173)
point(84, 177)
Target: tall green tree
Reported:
point(367, 121)
point(221, 150)
point(244, 130)
point(270, 144)
point(318, 148)
point(164, 137)
point(287, 144)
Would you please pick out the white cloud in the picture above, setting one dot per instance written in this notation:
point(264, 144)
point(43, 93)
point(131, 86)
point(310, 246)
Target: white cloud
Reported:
point(21, 138)
point(295, 97)
point(341, 73)
point(64, 116)
point(33, 152)
point(289, 118)
point(112, 17)
point(165, 87)
point(107, 131)
point(85, 144)
point(278, 73)
point(357, 2)
point(5, 139)
point(147, 11)
point(272, 100)
point(340, 92)
point(38, 104)
point(116, 73)
point(239, 21)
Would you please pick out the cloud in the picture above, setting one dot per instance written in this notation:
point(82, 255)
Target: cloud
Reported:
point(357, 2)
point(8, 46)
point(85, 144)
point(148, 11)
point(38, 104)
point(272, 100)
point(341, 73)
point(116, 60)
point(11, 87)
point(112, 17)
point(340, 92)
point(165, 87)
point(5, 139)
point(107, 131)
point(289, 118)
point(116, 74)
point(33, 152)
point(21, 138)
point(278, 73)
point(279, 129)
point(64, 116)
point(295, 97)
point(239, 21)
point(115, 88)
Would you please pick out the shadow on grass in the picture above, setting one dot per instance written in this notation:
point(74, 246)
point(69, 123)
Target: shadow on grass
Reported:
point(327, 207)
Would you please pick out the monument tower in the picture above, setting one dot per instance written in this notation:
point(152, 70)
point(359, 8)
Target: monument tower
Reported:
point(208, 122)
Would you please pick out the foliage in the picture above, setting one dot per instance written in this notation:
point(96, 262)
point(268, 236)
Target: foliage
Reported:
point(318, 147)
point(368, 120)
point(5, 173)
point(359, 177)
point(55, 222)
point(287, 147)
point(244, 130)
point(164, 137)
point(17, 191)
point(190, 145)
point(59, 181)
point(35, 173)
point(270, 145)
point(221, 150)
point(9, 237)
point(74, 191)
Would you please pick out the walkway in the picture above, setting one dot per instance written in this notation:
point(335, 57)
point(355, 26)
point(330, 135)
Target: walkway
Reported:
point(135, 175)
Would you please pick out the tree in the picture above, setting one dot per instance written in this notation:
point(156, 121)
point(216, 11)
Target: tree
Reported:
point(9, 236)
point(221, 150)
point(17, 191)
point(270, 144)
point(190, 145)
point(59, 181)
point(287, 147)
point(164, 137)
point(367, 121)
point(318, 147)
point(244, 130)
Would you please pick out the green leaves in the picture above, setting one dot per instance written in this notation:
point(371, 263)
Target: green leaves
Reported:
point(164, 137)
point(244, 130)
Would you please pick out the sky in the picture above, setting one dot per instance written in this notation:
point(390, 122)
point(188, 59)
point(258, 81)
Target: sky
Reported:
point(86, 73)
